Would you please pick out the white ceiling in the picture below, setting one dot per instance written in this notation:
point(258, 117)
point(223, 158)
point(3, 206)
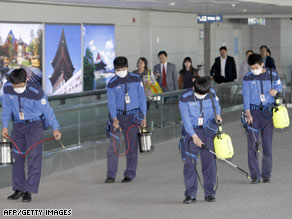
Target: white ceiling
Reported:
point(236, 8)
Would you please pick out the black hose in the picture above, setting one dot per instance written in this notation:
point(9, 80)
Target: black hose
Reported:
point(199, 178)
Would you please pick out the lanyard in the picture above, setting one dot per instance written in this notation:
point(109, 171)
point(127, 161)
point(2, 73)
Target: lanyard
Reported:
point(262, 86)
point(20, 104)
point(201, 107)
point(126, 94)
point(261, 91)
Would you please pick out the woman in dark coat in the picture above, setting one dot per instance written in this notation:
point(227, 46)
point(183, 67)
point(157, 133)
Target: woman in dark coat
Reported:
point(187, 74)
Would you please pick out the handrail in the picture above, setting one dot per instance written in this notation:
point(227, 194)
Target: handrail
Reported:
point(80, 94)
point(181, 91)
point(229, 84)
point(80, 107)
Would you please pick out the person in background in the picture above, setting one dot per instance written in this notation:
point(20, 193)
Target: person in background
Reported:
point(244, 67)
point(26, 103)
point(187, 74)
point(142, 67)
point(267, 59)
point(143, 72)
point(259, 94)
point(224, 68)
point(166, 73)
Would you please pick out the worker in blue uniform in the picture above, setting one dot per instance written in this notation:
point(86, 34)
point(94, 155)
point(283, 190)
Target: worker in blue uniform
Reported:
point(127, 107)
point(26, 104)
point(197, 112)
point(259, 89)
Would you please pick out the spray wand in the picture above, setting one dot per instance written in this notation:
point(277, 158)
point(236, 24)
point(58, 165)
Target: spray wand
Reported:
point(32, 146)
point(228, 162)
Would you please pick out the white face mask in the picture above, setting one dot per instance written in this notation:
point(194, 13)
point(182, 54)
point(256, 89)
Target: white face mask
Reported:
point(122, 74)
point(19, 90)
point(257, 71)
point(200, 96)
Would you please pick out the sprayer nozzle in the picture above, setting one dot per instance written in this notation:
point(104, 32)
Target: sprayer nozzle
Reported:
point(62, 145)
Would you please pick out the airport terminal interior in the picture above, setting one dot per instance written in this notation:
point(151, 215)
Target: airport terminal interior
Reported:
point(68, 48)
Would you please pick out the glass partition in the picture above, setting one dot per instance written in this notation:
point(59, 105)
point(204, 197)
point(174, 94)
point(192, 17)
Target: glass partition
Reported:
point(82, 117)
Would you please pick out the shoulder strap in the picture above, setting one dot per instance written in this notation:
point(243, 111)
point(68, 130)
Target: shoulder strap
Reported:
point(271, 77)
point(126, 93)
point(213, 103)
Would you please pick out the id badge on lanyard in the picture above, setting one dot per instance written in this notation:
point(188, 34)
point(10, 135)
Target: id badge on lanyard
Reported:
point(201, 121)
point(201, 118)
point(21, 114)
point(127, 99)
point(263, 98)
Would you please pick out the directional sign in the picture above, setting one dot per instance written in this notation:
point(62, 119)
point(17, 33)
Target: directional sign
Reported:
point(209, 18)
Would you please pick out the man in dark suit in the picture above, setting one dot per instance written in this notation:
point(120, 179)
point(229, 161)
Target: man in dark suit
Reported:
point(224, 68)
point(268, 60)
point(166, 73)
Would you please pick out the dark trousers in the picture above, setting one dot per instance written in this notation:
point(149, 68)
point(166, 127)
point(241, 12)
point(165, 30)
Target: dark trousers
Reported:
point(24, 136)
point(265, 127)
point(132, 157)
point(208, 166)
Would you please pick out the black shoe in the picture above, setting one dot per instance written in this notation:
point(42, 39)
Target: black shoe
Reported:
point(266, 180)
point(109, 180)
point(255, 181)
point(189, 199)
point(210, 198)
point(16, 195)
point(126, 180)
point(26, 197)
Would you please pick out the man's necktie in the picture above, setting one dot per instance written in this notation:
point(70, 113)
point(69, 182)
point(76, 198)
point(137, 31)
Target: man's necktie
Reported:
point(163, 76)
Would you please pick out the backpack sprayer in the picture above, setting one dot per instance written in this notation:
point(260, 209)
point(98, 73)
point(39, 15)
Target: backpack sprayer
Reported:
point(280, 116)
point(280, 112)
point(6, 149)
point(6, 152)
point(223, 145)
point(145, 144)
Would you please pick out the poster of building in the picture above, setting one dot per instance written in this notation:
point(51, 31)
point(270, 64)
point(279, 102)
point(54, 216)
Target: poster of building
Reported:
point(63, 71)
point(99, 54)
point(21, 46)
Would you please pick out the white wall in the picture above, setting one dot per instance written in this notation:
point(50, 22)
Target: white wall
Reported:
point(286, 47)
point(177, 32)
